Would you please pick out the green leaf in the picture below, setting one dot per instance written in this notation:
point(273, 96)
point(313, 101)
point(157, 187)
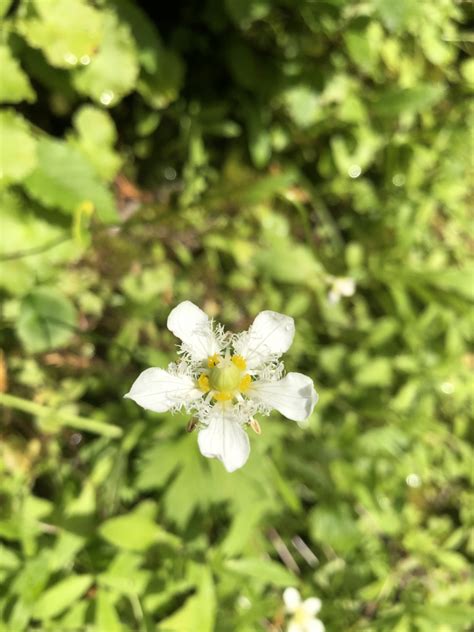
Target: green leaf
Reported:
point(113, 71)
point(395, 15)
point(61, 596)
point(95, 140)
point(336, 527)
point(5, 7)
point(18, 155)
point(135, 532)
point(303, 105)
point(47, 320)
point(123, 576)
point(106, 617)
point(162, 86)
point(14, 83)
point(377, 372)
point(24, 231)
point(199, 611)
point(64, 179)
point(244, 12)
point(262, 571)
point(67, 31)
point(288, 262)
point(396, 101)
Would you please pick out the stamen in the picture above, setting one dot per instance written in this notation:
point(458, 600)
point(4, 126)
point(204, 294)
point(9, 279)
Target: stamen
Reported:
point(222, 396)
point(253, 423)
point(203, 383)
point(245, 383)
point(239, 362)
point(213, 360)
point(191, 424)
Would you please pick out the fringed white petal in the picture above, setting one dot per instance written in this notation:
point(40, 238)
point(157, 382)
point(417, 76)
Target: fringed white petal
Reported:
point(158, 390)
point(293, 396)
point(225, 439)
point(270, 335)
point(189, 323)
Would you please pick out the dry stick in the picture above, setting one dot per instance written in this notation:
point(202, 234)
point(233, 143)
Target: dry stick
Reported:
point(304, 550)
point(283, 551)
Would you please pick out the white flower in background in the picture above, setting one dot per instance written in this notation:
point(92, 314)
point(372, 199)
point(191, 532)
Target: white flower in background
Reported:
point(224, 379)
point(341, 286)
point(303, 613)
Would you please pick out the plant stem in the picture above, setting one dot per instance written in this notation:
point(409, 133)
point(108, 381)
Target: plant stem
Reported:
point(80, 423)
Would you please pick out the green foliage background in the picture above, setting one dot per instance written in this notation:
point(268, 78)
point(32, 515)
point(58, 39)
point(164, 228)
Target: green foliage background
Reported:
point(240, 154)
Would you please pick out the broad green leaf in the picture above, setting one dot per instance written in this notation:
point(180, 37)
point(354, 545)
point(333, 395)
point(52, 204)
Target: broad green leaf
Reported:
point(459, 281)
point(61, 596)
point(8, 559)
point(67, 31)
point(106, 616)
point(75, 617)
point(395, 15)
point(288, 262)
point(303, 105)
point(65, 179)
point(377, 372)
point(162, 87)
point(18, 151)
point(186, 492)
point(199, 611)
point(244, 12)
point(135, 532)
point(397, 101)
point(4, 7)
point(336, 527)
point(162, 69)
point(14, 83)
point(96, 137)
point(47, 320)
point(262, 571)
point(41, 242)
point(263, 189)
point(113, 71)
point(123, 575)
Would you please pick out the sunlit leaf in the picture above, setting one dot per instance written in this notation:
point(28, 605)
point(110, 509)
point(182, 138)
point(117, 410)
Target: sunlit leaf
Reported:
point(47, 320)
point(18, 156)
point(113, 71)
point(60, 596)
point(65, 179)
point(14, 84)
point(67, 31)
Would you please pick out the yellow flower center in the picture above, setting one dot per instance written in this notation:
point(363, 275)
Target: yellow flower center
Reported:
point(225, 377)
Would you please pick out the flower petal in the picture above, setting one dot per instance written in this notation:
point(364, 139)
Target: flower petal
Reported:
point(293, 396)
point(292, 599)
point(315, 625)
point(311, 606)
point(225, 439)
point(270, 334)
point(158, 390)
point(189, 323)
point(294, 626)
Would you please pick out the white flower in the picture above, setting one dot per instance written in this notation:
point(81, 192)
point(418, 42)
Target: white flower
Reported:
point(303, 613)
point(225, 379)
point(341, 286)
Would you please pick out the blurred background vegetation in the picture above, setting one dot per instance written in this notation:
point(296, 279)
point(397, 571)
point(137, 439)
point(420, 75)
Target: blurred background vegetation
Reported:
point(245, 155)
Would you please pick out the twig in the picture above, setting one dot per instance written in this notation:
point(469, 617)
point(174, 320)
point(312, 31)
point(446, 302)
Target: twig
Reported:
point(283, 551)
point(304, 550)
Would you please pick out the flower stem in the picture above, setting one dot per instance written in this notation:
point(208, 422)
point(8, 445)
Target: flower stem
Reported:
point(67, 419)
